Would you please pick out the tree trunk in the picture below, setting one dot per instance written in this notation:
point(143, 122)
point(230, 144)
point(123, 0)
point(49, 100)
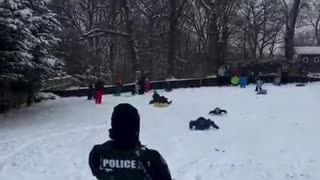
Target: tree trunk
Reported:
point(172, 39)
point(112, 59)
point(261, 53)
point(224, 44)
point(317, 30)
point(290, 29)
point(133, 44)
point(212, 46)
point(151, 33)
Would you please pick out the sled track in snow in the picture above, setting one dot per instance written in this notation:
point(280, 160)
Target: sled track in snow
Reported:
point(32, 140)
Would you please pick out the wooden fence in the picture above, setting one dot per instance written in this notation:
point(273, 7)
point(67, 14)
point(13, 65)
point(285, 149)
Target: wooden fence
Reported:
point(181, 83)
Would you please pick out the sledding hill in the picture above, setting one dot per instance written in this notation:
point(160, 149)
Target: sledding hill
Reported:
point(273, 137)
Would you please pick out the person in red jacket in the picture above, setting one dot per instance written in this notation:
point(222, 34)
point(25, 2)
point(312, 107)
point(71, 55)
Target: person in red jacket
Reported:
point(236, 71)
point(147, 85)
point(99, 91)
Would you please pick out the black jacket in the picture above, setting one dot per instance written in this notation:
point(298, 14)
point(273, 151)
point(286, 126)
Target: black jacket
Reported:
point(156, 167)
point(99, 86)
point(141, 83)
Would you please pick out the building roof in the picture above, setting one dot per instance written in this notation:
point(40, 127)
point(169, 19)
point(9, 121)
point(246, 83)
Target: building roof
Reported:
point(310, 50)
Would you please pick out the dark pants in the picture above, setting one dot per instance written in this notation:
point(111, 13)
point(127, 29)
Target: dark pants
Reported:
point(220, 80)
point(284, 79)
point(119, 89)
point(258, 89)
point(90, 94)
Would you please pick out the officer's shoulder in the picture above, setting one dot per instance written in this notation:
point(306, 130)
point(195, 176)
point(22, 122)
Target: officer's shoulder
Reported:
point(102, 147)
point(154, 154)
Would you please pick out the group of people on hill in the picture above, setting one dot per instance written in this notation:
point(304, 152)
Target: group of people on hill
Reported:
point(245, 75)
point(141, 85)
point(95, 91)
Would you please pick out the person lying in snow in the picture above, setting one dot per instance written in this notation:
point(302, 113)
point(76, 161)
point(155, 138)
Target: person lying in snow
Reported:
point(202, 124)
point(159, 99)
point(218, 111)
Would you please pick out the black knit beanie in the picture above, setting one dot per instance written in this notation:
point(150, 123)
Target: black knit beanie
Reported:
point(125, 125)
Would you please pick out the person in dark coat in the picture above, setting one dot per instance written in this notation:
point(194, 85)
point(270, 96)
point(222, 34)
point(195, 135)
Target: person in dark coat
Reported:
point(90, 92)
point(168, 87)
point(119, 87)
point(304, 72)
point(156, 98)
point(142, 84)
point(155, 95)
point(284, 74)
point(99, 91)
point(202, 124)
point(218, 111)
point(124, 157)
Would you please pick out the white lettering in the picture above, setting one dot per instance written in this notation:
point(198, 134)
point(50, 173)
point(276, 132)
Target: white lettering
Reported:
point(126, 164)
point(133, 164)
point(111, 163)
point(118, 164)
point(105, 162)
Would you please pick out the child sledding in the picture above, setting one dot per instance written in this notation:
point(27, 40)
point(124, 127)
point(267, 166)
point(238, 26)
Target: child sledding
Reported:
point(202, 124)
point(159, 101)
point(218, 111)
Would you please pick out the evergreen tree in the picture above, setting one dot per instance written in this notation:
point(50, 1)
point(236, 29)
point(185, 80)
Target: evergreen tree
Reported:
point(27, 40)
point(16, 40)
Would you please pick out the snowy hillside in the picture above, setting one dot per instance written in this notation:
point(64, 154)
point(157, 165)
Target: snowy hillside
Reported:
point(272, 137)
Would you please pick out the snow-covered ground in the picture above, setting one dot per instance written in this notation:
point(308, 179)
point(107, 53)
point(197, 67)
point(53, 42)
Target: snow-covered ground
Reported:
point(272, 137)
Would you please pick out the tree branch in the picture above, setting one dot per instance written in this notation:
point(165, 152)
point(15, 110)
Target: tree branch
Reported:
point(205, 5)
point(99, 32)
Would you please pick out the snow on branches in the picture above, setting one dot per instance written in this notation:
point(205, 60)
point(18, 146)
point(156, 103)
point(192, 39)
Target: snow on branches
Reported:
point(27, 39)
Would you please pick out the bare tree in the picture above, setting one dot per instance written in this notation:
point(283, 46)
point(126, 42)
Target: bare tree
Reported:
point(313, 17)
point(131, 34)
point(175, 14)
point(291, 19)
point(180, 38)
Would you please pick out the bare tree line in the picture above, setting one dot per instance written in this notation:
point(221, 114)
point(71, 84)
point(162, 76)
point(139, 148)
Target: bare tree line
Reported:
point(177, 38)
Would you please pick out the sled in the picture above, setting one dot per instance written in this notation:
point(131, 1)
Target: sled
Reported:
point(262, 92)
point(161, 105)
point(235, 80)
point(300, 85)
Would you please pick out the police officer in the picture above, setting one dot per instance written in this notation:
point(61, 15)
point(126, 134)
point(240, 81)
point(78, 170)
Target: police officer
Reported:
point(123, 157)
